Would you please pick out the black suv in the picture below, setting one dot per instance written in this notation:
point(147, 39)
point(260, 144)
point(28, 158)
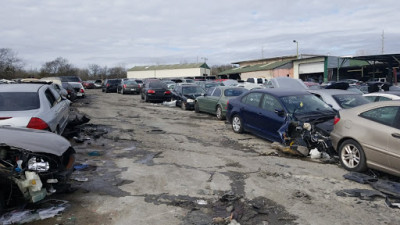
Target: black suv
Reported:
point(110, 85)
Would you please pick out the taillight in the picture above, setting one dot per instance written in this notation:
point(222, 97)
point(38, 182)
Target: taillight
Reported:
point(336, 120)
point(124, 85)
point(167, 92)
point(151, 92)
point(82, 91)
point(108, 85)
point(37, 123)
point(227, 103)
point(139, 85)
point(5, 118)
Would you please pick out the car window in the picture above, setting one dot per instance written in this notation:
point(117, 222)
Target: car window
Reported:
point(50, 97)
point(384, 115)
point(259, 81)
point(210, 91)
point(381, 99)
point(157, 85)
point(19, 101)
point(371, 98)
point(250, 80)
point(234, 92)
point(252, 99)
point(192, 90)
point(270, 103)
point(349, 101)
point(217, 92)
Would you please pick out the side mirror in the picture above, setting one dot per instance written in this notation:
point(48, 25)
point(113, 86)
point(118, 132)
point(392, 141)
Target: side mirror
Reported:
point(280, 112)
point(64, 93)
point(203, 94)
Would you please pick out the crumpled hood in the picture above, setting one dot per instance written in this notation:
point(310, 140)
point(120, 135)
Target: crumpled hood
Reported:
point(34, 140)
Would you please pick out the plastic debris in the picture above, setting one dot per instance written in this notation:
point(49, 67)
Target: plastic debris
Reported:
point(365, 194)
point(170, 104)
point(80, 166)
point(50, 209)
point(392, 204)
point(315, 154)
point(201, 202)
point(94, 153)
point(80, 179)
point(359, 177)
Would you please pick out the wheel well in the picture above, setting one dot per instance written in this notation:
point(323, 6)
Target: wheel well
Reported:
point(343, 140)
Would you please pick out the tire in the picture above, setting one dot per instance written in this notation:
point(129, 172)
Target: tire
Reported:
point(237, 125)
point(141, 96)
point(183, 106)
point(352, 156)
point(218, 113)
point(145, 98)
point(196, 107)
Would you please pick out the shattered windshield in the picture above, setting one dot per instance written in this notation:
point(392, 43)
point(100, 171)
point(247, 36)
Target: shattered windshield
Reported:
point(305, 104)
point(350, 101)
point(19, 101)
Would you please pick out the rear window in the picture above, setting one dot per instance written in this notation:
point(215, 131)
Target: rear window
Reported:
point(113, 81)
point(130, 82)
point(71, 79)
point(157, 85)
point(350, 101)
point(19, 101)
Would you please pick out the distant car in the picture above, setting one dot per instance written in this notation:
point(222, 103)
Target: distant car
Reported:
point(80, 90)
point(272, 113)
point(216, 99)
point(110, 85)
point(71, 92)
point(340, 99)
point(383, 96)
point(256, 80)
point(36, 106)
point(98, 83)
point(209, 84)
point(89, 84)
point(185, 95)
point(127, 86)
point(155, 90)
point(33, 165)
point(368, 136)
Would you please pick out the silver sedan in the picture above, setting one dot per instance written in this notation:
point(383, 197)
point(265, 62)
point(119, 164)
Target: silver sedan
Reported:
point(33, 105)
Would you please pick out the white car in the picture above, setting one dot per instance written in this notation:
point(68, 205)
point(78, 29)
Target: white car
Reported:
point(383, 96)
point(33, 105)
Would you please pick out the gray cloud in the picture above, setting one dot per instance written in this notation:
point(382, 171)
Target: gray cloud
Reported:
point(132, 33)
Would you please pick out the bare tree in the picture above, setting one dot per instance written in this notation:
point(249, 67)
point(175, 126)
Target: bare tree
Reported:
point(10, 64)
point(94, 70)
point(58, 67)
point(117, 72)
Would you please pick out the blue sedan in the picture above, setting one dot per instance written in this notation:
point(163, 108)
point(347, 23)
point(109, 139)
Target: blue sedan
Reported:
point(268, 113)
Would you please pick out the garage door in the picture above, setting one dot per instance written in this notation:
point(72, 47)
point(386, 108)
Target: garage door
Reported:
point(317, 67)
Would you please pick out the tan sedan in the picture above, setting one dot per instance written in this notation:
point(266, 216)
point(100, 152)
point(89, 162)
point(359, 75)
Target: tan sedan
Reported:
point(368, 136)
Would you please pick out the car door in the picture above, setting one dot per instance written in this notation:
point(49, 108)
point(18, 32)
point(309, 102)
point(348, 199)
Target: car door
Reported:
point(203, 101)
point(270, 121)
point(211, 102)
point(56, 115)
point(249, 110)
point(381, 145)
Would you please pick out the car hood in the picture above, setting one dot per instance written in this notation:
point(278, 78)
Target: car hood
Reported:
point(193, 96)
point(34, 140)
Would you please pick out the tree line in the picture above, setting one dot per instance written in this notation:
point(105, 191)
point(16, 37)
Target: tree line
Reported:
point(12, 67)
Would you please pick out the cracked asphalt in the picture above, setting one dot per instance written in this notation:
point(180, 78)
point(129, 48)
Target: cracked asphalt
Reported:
point(156, 164)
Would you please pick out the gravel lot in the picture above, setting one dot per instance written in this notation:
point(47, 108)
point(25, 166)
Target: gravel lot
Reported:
point(154, 164)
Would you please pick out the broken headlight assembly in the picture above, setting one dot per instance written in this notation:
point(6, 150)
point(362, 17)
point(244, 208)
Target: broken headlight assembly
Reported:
point(38, 164)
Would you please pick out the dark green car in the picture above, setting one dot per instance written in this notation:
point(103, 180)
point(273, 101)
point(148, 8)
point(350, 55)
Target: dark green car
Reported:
point(215, 100)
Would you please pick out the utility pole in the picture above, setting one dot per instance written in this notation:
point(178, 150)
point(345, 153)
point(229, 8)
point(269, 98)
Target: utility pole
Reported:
point(383, 41)
point(297, 49)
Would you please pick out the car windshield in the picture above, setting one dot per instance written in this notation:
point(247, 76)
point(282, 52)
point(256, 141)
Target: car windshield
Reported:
point(210, 85)
point(192, 90)
point(19, 101)
point(350, 101)
point(305, 104)
point(234, 92)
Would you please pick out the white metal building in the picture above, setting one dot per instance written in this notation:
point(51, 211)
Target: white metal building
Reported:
point(169, 71)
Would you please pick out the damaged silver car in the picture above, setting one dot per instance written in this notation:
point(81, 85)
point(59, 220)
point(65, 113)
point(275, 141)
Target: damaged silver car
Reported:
point(33, 165)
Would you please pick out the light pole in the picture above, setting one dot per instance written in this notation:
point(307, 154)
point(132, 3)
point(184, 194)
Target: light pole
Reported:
point(297, 51)
point(205, 61)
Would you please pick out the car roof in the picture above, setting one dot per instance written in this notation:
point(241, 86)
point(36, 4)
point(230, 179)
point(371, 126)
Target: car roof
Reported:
point(372, 105)
point(27, 87)
point(280, 92)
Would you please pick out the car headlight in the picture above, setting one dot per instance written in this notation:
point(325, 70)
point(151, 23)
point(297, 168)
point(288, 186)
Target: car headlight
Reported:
point(190, 100)
point(38, 164)
point(307, 126)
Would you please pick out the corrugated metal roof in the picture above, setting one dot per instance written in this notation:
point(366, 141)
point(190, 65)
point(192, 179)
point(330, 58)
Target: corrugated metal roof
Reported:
point(253, 68)
point(170, 67)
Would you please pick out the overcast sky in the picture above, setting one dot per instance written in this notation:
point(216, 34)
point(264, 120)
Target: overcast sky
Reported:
point(130, 32)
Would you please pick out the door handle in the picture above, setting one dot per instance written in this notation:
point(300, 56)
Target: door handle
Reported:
point(396, 135)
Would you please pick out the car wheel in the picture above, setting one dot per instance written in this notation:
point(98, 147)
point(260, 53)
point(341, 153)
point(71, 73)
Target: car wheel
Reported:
point(352, 156)
point(183, 106)
point(219, 113)
point(141, 96)
point(102, 90)
point(237, 124)
point(196, 107)
point(145, 98)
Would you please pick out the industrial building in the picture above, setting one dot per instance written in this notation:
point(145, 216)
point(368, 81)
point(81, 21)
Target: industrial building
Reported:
point(170, 71)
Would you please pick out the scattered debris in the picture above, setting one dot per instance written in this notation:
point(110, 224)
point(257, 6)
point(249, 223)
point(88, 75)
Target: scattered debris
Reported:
point(315, 154)
point(80, 166)
point(296, 150)
point(201, 202)
point(46, 209)
point(80, 179)
point(392, 204)
point(94, 153)
point(364, 194)
point(170, 104)
point(359, 177)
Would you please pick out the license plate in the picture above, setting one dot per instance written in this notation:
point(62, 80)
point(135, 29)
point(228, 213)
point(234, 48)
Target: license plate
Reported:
point(133, 89)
